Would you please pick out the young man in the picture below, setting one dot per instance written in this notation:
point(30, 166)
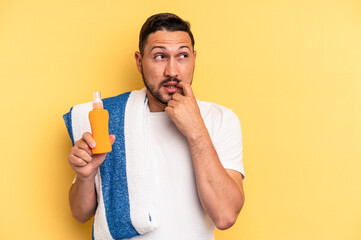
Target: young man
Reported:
point(196, 146)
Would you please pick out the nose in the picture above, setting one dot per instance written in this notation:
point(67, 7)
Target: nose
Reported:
point(171, 69)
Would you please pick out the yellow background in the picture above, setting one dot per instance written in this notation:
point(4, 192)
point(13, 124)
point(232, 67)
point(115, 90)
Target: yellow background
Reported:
point(290, 69)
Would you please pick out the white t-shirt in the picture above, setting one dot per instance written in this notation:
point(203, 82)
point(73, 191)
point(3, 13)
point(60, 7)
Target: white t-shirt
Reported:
point(181, 213)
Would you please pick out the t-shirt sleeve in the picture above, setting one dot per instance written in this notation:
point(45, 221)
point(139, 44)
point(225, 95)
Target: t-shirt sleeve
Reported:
point(228, 141)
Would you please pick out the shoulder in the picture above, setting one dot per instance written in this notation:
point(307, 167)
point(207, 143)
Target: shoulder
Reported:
point(213, 110)
point(108, 100)
point(117, 98)
point(217, 117)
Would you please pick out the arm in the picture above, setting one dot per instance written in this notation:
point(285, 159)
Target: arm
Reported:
point(82, 194)
point(220, 191)
point(82, 199)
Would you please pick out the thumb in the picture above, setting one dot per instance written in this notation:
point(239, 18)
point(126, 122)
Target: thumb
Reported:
point(98, 159)
point(187, 89)
point(112, 138)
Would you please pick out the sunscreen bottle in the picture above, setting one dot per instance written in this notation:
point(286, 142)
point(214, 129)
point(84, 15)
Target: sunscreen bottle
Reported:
point(99, 121)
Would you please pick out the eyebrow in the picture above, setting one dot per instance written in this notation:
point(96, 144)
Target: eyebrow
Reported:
point(163, 48)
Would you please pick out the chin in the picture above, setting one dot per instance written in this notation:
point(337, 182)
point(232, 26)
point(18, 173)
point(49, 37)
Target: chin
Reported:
point(166, 98)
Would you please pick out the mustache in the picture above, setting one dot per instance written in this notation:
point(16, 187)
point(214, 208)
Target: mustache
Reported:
point(168, 80)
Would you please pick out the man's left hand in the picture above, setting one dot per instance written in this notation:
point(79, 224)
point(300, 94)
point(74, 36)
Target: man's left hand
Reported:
point(185, 113)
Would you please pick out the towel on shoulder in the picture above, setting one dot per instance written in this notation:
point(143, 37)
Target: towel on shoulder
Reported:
point(125, 204)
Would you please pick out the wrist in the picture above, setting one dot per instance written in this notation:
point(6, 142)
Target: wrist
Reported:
point(86, 178)
point(197, 135)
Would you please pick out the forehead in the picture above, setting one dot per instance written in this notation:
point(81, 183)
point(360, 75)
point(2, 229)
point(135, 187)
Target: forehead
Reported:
point(168, 39)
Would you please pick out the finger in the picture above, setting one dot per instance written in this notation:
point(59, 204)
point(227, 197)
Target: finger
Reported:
point(87, 137)
point(112, 138)
point(177, 96)
point(82, 154)
point(98, 160)
point(172, 103)
point(81, 144)
point(187, 89)
point(169, 111)
point(75, 161)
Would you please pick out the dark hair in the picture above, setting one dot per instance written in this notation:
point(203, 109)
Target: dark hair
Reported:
point(160, 22)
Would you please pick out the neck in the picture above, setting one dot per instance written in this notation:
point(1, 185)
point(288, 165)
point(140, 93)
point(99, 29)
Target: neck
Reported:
point(153, 104)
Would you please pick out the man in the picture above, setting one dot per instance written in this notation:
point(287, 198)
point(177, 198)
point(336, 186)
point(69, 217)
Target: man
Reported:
point(196, 146)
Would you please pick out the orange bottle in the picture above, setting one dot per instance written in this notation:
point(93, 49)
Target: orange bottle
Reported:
point(99, 121)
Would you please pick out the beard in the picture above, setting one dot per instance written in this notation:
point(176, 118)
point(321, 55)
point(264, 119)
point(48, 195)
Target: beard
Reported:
point(155, 90)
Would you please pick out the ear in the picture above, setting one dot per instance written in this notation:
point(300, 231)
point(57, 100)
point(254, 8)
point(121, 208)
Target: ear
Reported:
point(138, 61)
point(195, 54)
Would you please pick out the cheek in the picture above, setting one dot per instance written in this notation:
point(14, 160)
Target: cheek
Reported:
point(188, 73)
point(152, 72)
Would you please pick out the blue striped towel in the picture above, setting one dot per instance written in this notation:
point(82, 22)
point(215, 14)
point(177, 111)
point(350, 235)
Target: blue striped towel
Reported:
point(126, 206)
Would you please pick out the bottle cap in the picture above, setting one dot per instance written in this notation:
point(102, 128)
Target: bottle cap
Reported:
point(97, 97)
point(97, 100)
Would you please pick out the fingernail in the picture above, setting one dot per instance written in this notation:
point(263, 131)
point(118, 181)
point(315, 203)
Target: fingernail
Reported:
point(92, 145)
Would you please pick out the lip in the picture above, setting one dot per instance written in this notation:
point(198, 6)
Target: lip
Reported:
point(170, 87)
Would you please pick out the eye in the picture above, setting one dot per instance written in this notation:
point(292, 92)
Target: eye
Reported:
point(183, 55)
point(159, 57)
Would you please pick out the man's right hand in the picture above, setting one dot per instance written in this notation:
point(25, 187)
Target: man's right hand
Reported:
point(81, 158)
